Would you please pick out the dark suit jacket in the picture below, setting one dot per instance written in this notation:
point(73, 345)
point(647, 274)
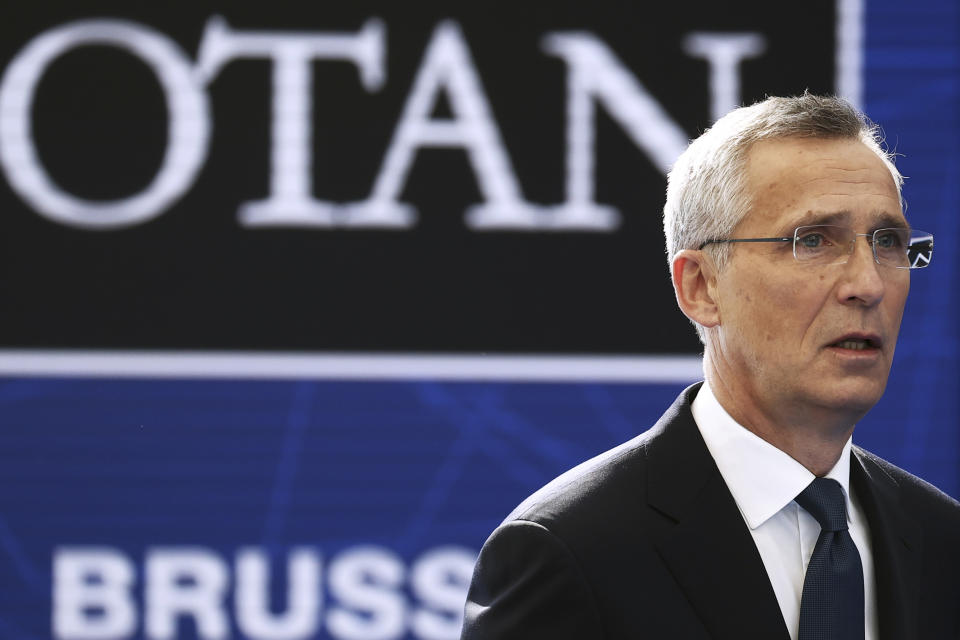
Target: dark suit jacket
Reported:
point(646, 541)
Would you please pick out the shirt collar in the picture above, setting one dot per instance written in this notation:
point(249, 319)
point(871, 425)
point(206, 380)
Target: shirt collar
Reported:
point(762, 478)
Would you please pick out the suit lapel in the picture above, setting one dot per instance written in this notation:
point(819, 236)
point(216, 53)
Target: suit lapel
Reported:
point(707, 546)
point(897, 548)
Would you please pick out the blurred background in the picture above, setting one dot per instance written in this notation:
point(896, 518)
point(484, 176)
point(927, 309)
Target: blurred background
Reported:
point(298, 300)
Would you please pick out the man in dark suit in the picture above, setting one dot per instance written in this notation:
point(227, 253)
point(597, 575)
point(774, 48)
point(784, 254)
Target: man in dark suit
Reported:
point(746, 512)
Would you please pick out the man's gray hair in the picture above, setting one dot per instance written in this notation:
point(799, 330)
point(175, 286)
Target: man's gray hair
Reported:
point(706, 198)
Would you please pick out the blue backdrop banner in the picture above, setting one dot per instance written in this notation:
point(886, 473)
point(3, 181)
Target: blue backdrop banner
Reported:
point(299, 303)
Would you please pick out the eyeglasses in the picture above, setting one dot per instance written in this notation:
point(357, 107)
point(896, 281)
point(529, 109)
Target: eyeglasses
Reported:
point(825, 244)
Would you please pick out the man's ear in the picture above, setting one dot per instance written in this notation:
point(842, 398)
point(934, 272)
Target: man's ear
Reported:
point(694, 282)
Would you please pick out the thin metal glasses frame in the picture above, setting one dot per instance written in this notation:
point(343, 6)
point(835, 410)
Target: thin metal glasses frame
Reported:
point(916, 264)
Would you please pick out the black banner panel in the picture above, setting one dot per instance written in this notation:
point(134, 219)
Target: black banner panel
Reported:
point(391, 177)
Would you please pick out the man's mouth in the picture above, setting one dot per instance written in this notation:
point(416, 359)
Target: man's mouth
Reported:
point(857, 344)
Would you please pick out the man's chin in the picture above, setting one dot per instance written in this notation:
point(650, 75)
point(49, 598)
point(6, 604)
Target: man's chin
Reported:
point(853, 394)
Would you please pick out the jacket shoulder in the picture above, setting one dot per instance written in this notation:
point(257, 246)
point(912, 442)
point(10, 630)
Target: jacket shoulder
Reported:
point(616, 481)
point(923, 500)
point(597, 479)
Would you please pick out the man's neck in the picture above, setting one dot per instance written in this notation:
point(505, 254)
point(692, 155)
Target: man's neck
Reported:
point(812, 436)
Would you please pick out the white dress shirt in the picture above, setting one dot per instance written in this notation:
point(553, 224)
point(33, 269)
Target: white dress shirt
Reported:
point(764, 482)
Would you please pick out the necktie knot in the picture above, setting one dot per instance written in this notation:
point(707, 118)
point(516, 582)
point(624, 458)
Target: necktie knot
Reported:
point(823, 499)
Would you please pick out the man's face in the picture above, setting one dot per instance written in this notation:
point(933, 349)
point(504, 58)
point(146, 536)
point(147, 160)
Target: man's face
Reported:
point(798, 337)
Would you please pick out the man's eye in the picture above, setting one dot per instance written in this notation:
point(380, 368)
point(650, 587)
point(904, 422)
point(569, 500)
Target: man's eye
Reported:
point(812, 240)
point(887, 240)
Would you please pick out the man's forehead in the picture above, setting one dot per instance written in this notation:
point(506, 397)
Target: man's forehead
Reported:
point(821, 181)
point(805, 155)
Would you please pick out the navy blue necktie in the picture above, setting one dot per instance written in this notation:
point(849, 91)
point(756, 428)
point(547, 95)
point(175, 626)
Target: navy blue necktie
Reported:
point(831, 607)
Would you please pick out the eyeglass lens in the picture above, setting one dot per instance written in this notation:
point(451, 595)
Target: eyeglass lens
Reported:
point(831, 244)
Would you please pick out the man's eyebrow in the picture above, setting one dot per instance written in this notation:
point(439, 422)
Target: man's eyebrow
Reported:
point(810, 219)
point(880, 220)
point(886, 220)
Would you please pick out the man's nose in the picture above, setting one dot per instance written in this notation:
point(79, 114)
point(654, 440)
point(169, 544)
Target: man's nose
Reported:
point(862, 281)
